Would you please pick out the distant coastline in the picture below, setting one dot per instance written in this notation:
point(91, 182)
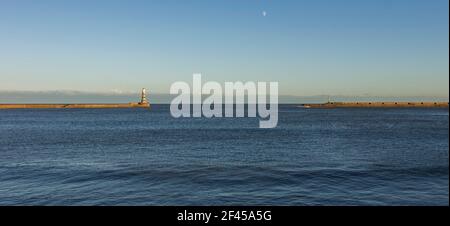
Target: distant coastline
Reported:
point(82, 97)
point(143, 103)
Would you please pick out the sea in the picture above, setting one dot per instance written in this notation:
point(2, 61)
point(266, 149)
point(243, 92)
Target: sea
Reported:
point(395, 156)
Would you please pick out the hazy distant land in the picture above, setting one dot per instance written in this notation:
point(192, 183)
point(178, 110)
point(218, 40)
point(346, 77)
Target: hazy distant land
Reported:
point(160, 98)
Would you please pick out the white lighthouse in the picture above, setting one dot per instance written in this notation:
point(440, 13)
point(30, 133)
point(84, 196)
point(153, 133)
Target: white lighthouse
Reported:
point(143, 97)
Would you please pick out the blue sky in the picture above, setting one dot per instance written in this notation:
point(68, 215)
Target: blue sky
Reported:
point(358, 47)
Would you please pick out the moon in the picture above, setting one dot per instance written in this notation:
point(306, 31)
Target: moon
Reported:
point(264, 13)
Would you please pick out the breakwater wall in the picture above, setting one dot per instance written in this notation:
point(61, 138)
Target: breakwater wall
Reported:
point(378, 105)
point(37, 106)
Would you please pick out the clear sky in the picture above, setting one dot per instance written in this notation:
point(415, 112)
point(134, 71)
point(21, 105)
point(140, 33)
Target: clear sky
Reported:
point(352, 47)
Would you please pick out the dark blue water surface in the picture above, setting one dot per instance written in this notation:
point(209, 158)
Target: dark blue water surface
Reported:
point(146, 157)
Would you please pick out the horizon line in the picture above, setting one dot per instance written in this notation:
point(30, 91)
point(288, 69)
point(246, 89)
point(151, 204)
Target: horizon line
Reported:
point(126, 93)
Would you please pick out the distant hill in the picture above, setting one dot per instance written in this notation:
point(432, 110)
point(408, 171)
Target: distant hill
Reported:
point(159, 98)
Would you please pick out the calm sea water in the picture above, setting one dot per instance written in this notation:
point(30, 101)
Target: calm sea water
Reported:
point(146, 157)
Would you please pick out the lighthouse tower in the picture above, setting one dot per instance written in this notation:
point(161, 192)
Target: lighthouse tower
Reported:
point(143, 97)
